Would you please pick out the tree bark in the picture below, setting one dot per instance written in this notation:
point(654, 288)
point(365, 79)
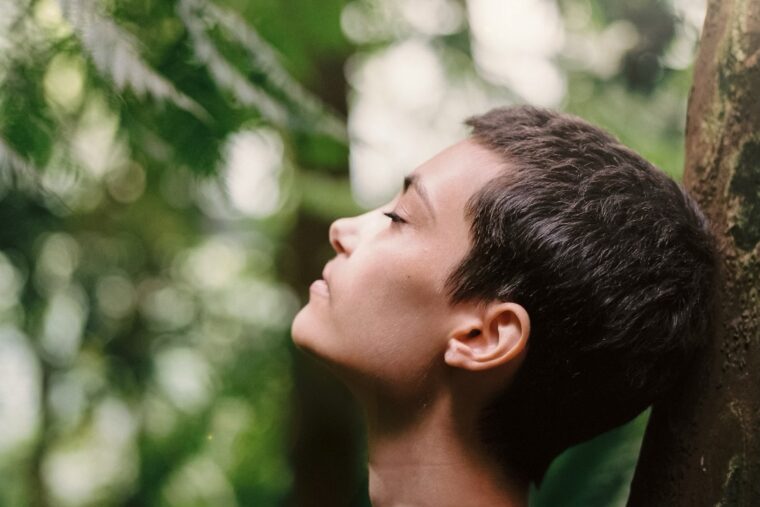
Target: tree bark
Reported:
point(702, 446)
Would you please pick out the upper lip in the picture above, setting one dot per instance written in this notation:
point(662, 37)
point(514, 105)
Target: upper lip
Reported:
point(326, 273)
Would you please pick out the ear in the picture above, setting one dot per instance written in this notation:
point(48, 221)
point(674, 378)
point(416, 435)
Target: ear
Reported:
point(495, 337)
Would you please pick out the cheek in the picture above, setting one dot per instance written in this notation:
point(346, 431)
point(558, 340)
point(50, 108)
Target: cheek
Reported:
point(389, 303)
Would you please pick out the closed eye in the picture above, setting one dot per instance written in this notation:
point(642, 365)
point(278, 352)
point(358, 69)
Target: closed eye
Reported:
point(395, 218)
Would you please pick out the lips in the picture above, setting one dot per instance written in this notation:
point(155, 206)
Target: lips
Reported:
point(320, 287)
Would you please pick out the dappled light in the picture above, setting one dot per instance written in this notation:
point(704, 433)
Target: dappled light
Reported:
point(253, 167)
point(520, 57)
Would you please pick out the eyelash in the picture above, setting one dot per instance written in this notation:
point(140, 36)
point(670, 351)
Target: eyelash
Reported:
point(395, 218)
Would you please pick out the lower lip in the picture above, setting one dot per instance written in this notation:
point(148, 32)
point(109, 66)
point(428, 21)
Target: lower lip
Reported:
point(320, 287)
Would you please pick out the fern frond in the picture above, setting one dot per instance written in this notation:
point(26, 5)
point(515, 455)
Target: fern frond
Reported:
point(265, 57)
point(116, 54)
point(197, 14)
point(225, 74)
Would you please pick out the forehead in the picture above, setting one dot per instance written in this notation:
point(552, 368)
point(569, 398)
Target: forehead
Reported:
point(456, 173)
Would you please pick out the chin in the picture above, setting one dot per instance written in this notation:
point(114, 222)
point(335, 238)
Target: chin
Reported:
point(311, 337)
point(301, 329)
point(308, 334)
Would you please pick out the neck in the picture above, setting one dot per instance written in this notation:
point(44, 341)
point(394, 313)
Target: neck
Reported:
point(433, 458)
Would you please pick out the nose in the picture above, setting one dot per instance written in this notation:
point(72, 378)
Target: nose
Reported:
point(343, 235)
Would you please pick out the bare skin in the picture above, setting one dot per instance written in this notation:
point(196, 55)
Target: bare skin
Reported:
point(421, 368)
point(434, 462)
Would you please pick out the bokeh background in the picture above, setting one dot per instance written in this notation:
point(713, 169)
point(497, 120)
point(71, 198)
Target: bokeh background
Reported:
point(168, 171)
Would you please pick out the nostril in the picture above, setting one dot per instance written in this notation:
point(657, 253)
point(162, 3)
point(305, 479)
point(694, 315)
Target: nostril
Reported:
point(333, 235)
point(338, 246)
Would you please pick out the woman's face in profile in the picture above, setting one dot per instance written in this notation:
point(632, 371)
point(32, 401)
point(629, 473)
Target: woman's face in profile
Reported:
point(382, 316)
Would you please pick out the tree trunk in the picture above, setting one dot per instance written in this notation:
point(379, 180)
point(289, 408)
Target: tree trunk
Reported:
point(702, 446)
point(325, 431)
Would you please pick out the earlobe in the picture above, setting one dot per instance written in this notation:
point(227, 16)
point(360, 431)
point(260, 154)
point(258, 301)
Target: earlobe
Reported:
point(498, 337)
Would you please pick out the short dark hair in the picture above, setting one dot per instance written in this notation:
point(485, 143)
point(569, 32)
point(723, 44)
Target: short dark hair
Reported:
point(612, 260)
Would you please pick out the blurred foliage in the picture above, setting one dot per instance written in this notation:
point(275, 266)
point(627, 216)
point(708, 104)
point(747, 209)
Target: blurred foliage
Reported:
point(156, 159)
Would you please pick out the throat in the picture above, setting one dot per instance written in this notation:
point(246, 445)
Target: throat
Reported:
point(438, 461)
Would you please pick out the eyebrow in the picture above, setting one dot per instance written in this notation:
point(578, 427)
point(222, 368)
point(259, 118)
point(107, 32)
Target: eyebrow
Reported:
point(413, 180)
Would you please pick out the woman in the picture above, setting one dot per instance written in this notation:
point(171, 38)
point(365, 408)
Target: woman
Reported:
point(530, 287)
